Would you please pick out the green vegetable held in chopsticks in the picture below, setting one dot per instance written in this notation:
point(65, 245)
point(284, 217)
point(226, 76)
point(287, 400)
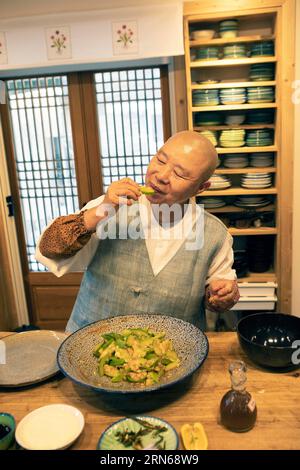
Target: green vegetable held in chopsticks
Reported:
point(147, 190)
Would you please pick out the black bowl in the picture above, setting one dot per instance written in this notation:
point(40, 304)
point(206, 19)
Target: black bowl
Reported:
point(267, 339)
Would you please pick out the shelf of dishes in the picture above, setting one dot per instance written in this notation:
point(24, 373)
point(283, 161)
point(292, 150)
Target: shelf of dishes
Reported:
point(234, 126)
point(237, 171)
point(213, 84)
point(232, 107)
point(233, 40)
point(232, 62)
point(237, 191)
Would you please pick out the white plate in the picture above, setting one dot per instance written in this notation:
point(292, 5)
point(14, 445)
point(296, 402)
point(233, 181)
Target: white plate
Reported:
point(51, 427)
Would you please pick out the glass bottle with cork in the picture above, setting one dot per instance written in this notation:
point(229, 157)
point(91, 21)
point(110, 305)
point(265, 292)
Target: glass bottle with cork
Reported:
point(238, 408)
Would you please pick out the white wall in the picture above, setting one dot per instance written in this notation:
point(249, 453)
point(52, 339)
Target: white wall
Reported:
point(296, 205)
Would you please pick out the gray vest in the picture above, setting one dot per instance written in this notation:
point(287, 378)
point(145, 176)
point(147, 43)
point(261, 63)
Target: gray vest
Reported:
point(119, 280)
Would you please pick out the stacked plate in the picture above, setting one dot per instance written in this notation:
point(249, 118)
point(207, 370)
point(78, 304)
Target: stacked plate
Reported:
point(260, 94)
point(208, 53)
point(259, 138)
point(261, 159)
point(260, 117)
point(205, 97)
point(250, 202)
point(234, 51)
point(212, 202)
point(233, 95)
point(262, 49)
point(235, 160)
point(212, 136)
point(219, 182)
point(256, 180)
point(232, 138)
point(228, 28)
point(261, 72)
point(210, 118)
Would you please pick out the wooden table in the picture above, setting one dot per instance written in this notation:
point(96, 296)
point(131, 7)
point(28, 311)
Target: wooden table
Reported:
point(276, 394)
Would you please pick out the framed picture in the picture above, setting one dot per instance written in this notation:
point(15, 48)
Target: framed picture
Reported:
point(58, 40)
point(3, 49)
point(125, 37)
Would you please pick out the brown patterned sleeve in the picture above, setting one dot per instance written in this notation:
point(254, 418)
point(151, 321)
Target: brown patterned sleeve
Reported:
point(65, 236)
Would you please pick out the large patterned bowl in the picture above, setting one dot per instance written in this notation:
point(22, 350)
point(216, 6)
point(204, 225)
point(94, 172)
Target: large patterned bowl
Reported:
point(75, 356)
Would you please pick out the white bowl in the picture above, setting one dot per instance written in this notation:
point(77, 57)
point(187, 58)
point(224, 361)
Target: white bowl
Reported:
point(203, 34)
point(51, 427)
point(235, 119)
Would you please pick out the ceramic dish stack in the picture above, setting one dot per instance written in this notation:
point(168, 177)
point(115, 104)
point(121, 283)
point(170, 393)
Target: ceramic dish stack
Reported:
point(260, 49)
point(228, 28)
point(251, 202)
point(232, 138)
point(210, 118)
point(233, 96)
point(263, 72)
point(259, 138)
point(212, 202)
point(240, 262)
point(212, 136)
point(202, 34)
point(256, 180)
point(260, 94)
point(205, 97)
point(234, 51)
point(235, 119)
point(235, 160)
point(261, 159)
point(260, 117)
point(219, 182)
point(208, 53)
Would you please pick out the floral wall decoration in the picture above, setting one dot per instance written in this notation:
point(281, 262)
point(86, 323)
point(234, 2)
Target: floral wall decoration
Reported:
point(58, 43)
point(125, 37)
point(3, 50)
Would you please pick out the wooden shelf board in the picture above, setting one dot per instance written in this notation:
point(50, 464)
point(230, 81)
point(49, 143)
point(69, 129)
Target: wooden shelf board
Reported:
point(268, 276)
point(229, 208)
point(239, 171)
point(253, 231)
point(229, 107)
point(220, 41)
point(267, 148)
point(233, 85)
point(232, 62)
point(228, 127)
point(237, 192)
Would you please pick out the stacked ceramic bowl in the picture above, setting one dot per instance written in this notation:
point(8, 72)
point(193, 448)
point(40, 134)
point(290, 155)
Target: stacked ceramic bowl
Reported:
point(260, 72)
point(232, 138)
point(235, 119)
point(219, 182)
point(235, 160)
point(207, 53)
point(262, 49)
point(233, 96)
point(250, 202)
point(261, 159)
point(260, 94)
point(234, 51)
point(259, 138)
point(212, 136)
point(205, 97)
point(256, 180)
point(212, 202)
point(210, 118)
point(228, 28)
point(260, 117)
point(202, 34)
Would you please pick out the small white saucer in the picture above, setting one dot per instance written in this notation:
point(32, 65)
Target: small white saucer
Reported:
point(51, 427)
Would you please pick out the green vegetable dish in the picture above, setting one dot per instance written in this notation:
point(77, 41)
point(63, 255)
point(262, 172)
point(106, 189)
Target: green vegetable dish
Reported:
point(136, 355)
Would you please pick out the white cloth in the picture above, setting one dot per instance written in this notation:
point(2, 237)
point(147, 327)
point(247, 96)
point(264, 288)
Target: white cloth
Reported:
point(160, 250)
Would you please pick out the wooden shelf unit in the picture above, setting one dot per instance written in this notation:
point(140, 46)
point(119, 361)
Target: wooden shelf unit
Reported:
point(259, 20)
